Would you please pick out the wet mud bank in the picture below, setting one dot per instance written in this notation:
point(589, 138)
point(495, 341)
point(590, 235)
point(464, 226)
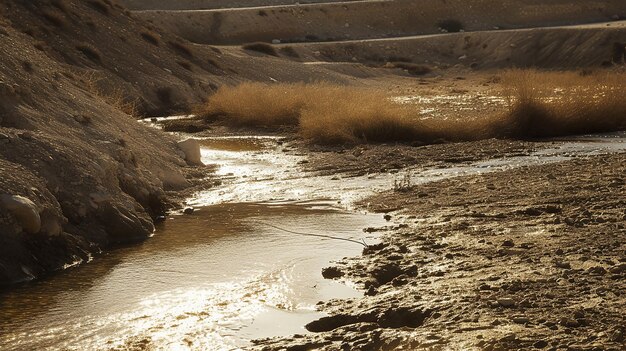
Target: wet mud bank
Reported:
point(530, 257)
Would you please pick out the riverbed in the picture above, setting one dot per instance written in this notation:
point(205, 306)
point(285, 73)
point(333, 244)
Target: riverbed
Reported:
point(244, 265)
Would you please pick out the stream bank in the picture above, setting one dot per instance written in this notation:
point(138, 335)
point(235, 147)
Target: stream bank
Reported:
point(529, 257)
point(243, 267)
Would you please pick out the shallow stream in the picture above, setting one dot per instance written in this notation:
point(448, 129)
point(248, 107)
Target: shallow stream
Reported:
point(232, 271)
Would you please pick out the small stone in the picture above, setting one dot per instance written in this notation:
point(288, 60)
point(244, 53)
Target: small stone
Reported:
point(618, 269)
point(188, 210)
point(597, 270)
point(275, 41)
point(387, 217)
point(569, 322)
point(508, 243)
point(520, 319)
point(540, 344)
point(509, 337)
point(506, 302)
point(371, 291)
point(484, 287)
point(563, 265)
point(331, 273)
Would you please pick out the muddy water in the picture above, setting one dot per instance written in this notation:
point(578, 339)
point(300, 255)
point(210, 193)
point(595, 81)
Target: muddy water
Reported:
point(227, 273)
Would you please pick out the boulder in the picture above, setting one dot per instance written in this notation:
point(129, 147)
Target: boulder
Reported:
point(124, 226)
point(191, 148)
point(24, 210)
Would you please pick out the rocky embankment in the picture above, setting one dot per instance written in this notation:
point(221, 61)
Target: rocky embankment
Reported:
point(529, 258)
point(78, 173)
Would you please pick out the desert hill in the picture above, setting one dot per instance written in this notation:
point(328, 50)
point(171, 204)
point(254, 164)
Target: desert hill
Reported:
point(336, 21)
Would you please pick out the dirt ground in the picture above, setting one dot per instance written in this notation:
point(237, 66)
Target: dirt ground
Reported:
point(529, 258)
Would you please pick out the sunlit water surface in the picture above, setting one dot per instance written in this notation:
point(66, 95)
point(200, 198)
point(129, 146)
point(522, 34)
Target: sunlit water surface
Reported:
point(228, 273)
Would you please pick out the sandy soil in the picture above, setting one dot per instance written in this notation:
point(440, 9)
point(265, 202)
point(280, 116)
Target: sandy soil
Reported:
point(530, 258)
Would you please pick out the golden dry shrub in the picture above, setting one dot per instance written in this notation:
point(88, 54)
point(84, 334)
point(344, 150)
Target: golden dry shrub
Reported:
point(549, 104)
point(541, 104)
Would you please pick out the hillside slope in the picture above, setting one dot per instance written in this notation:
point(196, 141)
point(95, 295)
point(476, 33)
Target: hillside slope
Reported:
point(375, 19)
point(77, 174)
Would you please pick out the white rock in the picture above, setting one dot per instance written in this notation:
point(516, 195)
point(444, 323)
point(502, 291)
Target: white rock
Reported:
point(275, 41)
point(24, 210)
point(191, 148)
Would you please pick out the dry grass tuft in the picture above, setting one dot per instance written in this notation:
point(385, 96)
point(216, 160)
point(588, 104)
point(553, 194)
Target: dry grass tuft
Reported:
point(451, 25)
point(541, 105)
point(151, 37)
point(100, 6)
point(61, 5)
point(54, 17)
point(412, 68)
point(550, 104)
point(181, 48)
point(290, 52)
point(263, 48)
point(114, 96)
point(255, 104)
point(323, 113)
point(90, 52)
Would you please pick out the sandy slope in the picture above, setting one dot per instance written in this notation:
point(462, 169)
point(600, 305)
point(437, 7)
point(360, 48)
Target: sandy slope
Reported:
point(547, 47)
point(374, 19)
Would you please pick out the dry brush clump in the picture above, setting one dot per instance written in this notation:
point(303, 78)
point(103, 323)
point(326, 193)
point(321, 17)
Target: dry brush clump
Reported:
point(322, 112)
point(261, 47)
point(541, 104)
point(551, 104)
point(115, 97)
point(412, 68)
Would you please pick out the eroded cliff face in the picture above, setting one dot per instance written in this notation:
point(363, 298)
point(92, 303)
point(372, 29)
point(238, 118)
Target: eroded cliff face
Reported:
point(77, 172)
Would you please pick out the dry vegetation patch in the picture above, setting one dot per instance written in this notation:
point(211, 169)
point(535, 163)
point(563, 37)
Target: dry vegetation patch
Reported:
point(548, 104)
point(541, 104)
point(263, 48)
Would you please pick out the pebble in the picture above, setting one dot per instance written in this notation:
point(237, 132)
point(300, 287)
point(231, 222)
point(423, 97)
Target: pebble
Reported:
point(508, 243)
point(520, 319)
point(540, 344)
point(563, 265)
point(331, 273)
point(506, 302)
point(188, 210)
point(569, 322)
point(618, 269)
